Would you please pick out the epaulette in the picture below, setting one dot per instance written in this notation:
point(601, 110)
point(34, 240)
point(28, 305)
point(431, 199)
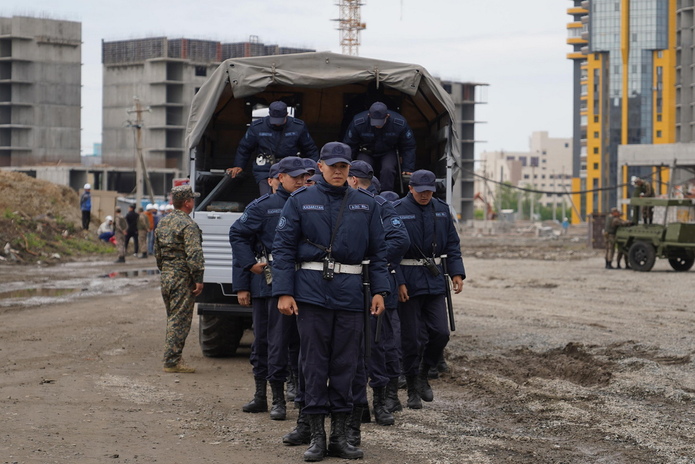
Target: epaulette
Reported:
point(263, 197)
point(379, 199)
point(397, 202)
point(360, 189)
point(360, 120)
point(300, 189)
point(257, 122)
point(297, 121)
point(399, 121)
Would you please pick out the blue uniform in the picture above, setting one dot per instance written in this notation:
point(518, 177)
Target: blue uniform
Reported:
point(380, 147)
point(251, 237)
point(432, 233)
point(330, 319)
point(263, 138)
point(384, 360)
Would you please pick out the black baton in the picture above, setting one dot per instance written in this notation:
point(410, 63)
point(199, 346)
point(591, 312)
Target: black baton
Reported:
point(449, 301)
point(367, 288)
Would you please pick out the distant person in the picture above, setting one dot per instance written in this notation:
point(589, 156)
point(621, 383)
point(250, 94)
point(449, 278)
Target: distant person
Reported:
point(105, 230)
point(131, 218)
point(120, 228)
point(565, 226)
point(151, 212)
point(380, 137)
point(179, 254)
point(643, 188)
point(613, 222)
point(270, 139)
point(86, 206)
point(143, 228)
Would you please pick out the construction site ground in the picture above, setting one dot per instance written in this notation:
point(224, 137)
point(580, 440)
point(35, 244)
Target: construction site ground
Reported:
point(554, 360)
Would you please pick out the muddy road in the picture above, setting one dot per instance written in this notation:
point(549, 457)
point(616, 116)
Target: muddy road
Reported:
point(555, 360)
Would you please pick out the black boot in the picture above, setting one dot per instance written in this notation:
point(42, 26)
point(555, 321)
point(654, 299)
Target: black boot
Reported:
point(338, 445)
point(423, 385)
point(259, 403)
point(121, 259)
point(414, 401)
point(381, 415)
point(301, 435)
point(392, 403)
point(609, 265)
point(317, 447)
point(278, 411)
point(143, 255)
point(291, 387)
point(354, 434)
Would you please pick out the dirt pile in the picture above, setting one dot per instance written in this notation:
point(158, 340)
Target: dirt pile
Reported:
point(40, 221)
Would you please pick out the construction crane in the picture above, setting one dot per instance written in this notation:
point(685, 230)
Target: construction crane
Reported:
point(489, 210)
point(350, 25)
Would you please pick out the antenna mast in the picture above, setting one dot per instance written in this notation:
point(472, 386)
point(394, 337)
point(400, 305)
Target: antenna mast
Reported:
point(350, 25)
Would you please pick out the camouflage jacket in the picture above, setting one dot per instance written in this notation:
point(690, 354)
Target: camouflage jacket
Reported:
point(178, 245)
point(613, 223)
point(143, 222)
point(120, 225)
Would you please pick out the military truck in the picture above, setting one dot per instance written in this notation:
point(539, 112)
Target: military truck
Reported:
point(673, 238)
point(325, 90)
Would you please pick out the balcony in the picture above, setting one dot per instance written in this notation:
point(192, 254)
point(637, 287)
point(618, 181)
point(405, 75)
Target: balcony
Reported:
point(577, 11)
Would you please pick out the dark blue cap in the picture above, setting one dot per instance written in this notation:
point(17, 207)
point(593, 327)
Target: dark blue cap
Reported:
point(310, 165)
point(423, 180)
point(274, 171)
point(335, 152)
point(277, 112)
point(377, 114)
point(361, 169)
point(376, 183)
point(316, 177)
point(389, 195)
point(292, 166)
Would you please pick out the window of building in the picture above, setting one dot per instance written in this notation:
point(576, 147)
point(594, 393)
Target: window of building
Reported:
point(596, 166)
point(534, 161)
point(447, 87)
point(523, 161)
point(510, 158)
point(596, 134)
point(567, 145)
point(658, 134)
point(201, 71)
point(595, 150)
point(543, 176)
point(525, 176)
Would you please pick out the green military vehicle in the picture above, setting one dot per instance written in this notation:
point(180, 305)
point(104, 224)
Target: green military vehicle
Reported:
point(673, 238)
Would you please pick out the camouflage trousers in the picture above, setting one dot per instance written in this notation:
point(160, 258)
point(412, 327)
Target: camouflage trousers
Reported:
point(120, 244)
point(142, 241)
point(179, 303)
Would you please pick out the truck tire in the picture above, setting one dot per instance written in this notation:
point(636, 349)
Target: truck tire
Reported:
point(683, 262)
point(220, 335)
point(642, 256)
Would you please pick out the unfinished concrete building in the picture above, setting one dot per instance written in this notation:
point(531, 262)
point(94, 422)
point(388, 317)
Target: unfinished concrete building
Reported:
point(163, 75)
point(40, 84)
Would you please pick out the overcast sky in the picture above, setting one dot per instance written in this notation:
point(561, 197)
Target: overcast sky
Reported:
point(518, 48)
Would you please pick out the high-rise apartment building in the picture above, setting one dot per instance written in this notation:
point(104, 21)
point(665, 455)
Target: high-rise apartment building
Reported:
point(624, 90)
point(164, 74)
point(40, 85)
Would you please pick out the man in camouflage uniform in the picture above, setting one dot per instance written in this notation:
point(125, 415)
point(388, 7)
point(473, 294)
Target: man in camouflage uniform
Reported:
point(613, 221)
point(120, 227)
point(143, 228)
point(643, 188)
point(179, 253)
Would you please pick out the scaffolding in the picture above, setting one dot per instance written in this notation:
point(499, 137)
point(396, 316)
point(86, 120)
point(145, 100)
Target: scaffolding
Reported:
point(350, 24)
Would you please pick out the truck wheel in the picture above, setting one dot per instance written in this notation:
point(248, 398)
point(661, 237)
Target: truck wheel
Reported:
point(683, 262)
point(642, 256)
point(220, 335)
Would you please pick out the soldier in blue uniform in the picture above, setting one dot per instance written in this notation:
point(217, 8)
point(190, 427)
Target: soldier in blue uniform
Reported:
point(251, 237)
point(324, 234)
point(270, 139)
point(379, 136)
point(421, 283)
point(383, 364)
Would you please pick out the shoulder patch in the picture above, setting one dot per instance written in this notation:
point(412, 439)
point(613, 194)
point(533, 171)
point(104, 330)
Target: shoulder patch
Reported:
point(360, 189)
point(396, 221)
point(281, 223)
point(300, 189)
point(244, 217)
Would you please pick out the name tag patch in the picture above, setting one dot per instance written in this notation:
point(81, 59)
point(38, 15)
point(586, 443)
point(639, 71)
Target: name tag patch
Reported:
point(407, 217)
point(313, 207)
point(274, 211)
point(359, 207)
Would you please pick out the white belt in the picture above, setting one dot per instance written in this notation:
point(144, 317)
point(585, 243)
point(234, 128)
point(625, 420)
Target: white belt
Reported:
point(339, 267)
point(263, 259)
point(418, 262)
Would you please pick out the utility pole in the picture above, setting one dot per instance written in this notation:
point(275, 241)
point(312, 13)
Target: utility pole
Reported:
point(140, 167)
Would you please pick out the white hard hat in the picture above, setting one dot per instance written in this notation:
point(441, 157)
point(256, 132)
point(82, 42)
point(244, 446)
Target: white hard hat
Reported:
point(149, 206)
point(162, 207)
point(170, 207)
point(634, 180)
point(109, 218)
point(87, 186)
